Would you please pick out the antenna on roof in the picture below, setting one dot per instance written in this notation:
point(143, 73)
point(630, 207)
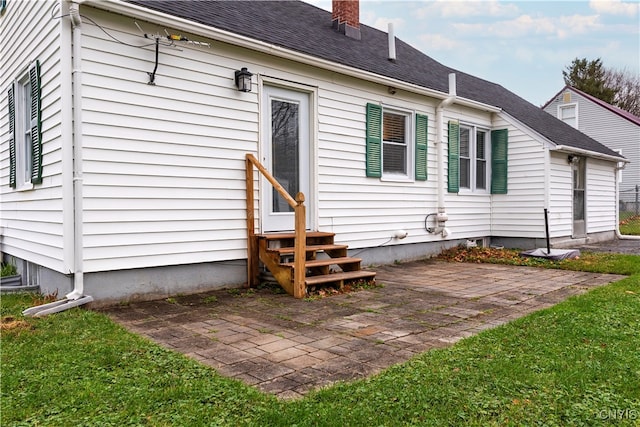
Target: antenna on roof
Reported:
point(392, 42)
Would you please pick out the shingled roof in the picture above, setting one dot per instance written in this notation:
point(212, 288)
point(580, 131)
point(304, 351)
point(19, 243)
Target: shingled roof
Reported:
point(305, 28)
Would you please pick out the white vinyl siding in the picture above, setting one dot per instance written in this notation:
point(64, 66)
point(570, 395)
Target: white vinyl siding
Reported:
point(520, 212)
point(164, 164)
point(601, 196)
point(560, 196)
point(32, 221)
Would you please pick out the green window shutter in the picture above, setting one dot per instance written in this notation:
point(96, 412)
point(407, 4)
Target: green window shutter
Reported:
point(421, 147)
point(499, 144)
point(12, 135)
point(36, 124)
point(454, 157)
point(374, 140)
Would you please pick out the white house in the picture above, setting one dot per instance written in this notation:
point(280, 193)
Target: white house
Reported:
point(124, 138)
point(613, 127)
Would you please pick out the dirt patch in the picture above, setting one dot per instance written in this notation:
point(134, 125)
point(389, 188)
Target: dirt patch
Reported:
point(10, 323)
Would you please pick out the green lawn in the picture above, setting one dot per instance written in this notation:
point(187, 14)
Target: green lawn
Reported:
point(577, 363)
point(630, 224)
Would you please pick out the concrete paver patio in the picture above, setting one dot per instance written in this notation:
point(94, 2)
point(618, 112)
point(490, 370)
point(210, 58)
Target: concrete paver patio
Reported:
point(287, 347)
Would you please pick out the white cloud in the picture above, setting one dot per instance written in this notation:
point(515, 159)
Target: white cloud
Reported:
point(615, 7)
point(383, 23)
point(527, 25)
point(437, 42)
point(459, 9)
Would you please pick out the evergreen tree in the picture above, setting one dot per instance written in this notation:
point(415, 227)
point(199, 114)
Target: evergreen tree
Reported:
point(589, 77)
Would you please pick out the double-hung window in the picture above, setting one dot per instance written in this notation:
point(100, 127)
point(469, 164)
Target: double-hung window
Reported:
point(568, 114)
point(477, 159)
point(473, 158)
point(25, 141)
point(396, 143)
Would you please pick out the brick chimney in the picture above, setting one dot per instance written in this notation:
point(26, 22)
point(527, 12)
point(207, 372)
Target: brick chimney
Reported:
point(346, 17)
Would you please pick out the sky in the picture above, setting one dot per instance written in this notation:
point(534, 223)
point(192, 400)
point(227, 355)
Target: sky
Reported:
point(521, 45)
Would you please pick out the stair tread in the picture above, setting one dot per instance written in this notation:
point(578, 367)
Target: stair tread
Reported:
point(291, 235)
point(310, 248)
point(326, 261)
point(333, 277)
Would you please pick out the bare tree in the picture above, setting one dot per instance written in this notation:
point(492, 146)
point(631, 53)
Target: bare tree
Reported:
point(627, 87)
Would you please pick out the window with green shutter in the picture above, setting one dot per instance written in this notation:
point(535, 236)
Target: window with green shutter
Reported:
point(391, 152)
point(453, 181)
point(25, 129)
point(421, 147)
point(499, 156)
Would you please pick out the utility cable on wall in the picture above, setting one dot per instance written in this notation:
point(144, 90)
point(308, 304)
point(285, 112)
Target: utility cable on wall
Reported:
point(168, 40)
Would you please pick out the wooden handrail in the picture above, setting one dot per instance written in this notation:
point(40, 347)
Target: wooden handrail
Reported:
point(279, 188)
point(300, 242)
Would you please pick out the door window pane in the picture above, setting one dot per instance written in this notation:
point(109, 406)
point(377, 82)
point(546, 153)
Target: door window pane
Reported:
point(285, 143)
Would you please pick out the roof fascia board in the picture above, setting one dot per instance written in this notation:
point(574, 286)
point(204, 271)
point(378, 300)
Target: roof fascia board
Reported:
point(552, 146)
point(128, 9)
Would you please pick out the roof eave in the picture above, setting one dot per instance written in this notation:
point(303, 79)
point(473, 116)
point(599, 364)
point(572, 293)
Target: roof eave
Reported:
point(129, 9)
point(574, 150)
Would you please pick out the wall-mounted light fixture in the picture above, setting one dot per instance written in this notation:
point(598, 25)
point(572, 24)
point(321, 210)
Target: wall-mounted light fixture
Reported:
point(243, 80)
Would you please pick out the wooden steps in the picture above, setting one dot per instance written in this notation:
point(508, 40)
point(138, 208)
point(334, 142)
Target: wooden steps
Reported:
point(326, 263)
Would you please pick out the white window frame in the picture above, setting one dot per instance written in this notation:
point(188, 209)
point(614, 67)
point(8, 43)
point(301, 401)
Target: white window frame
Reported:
point(23, 132)
point(408, 143)
point(573, 106)
point(473, 159)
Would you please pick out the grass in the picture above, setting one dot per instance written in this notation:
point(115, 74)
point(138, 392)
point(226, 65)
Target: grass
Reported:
point(630, 224)
point(576, 363)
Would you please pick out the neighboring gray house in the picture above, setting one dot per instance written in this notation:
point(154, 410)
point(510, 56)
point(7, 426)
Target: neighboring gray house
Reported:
point(125, 129)
point(617, 129)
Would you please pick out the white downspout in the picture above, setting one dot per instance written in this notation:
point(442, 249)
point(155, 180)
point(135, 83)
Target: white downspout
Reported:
point(441, 216)
point(75, 297)
point(78, 274)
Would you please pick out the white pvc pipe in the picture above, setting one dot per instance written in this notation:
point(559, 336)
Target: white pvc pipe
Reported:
point(392, 42)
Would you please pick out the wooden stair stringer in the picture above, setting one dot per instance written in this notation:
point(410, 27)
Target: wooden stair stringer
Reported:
point(282, 273)
point(334, 268)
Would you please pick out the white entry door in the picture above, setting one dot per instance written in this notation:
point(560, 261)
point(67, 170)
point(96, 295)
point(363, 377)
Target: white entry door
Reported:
point(286, 154)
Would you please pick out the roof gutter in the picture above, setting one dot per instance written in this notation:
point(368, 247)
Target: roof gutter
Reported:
point(568, 149)
point(121, 7)
point(75, 297)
